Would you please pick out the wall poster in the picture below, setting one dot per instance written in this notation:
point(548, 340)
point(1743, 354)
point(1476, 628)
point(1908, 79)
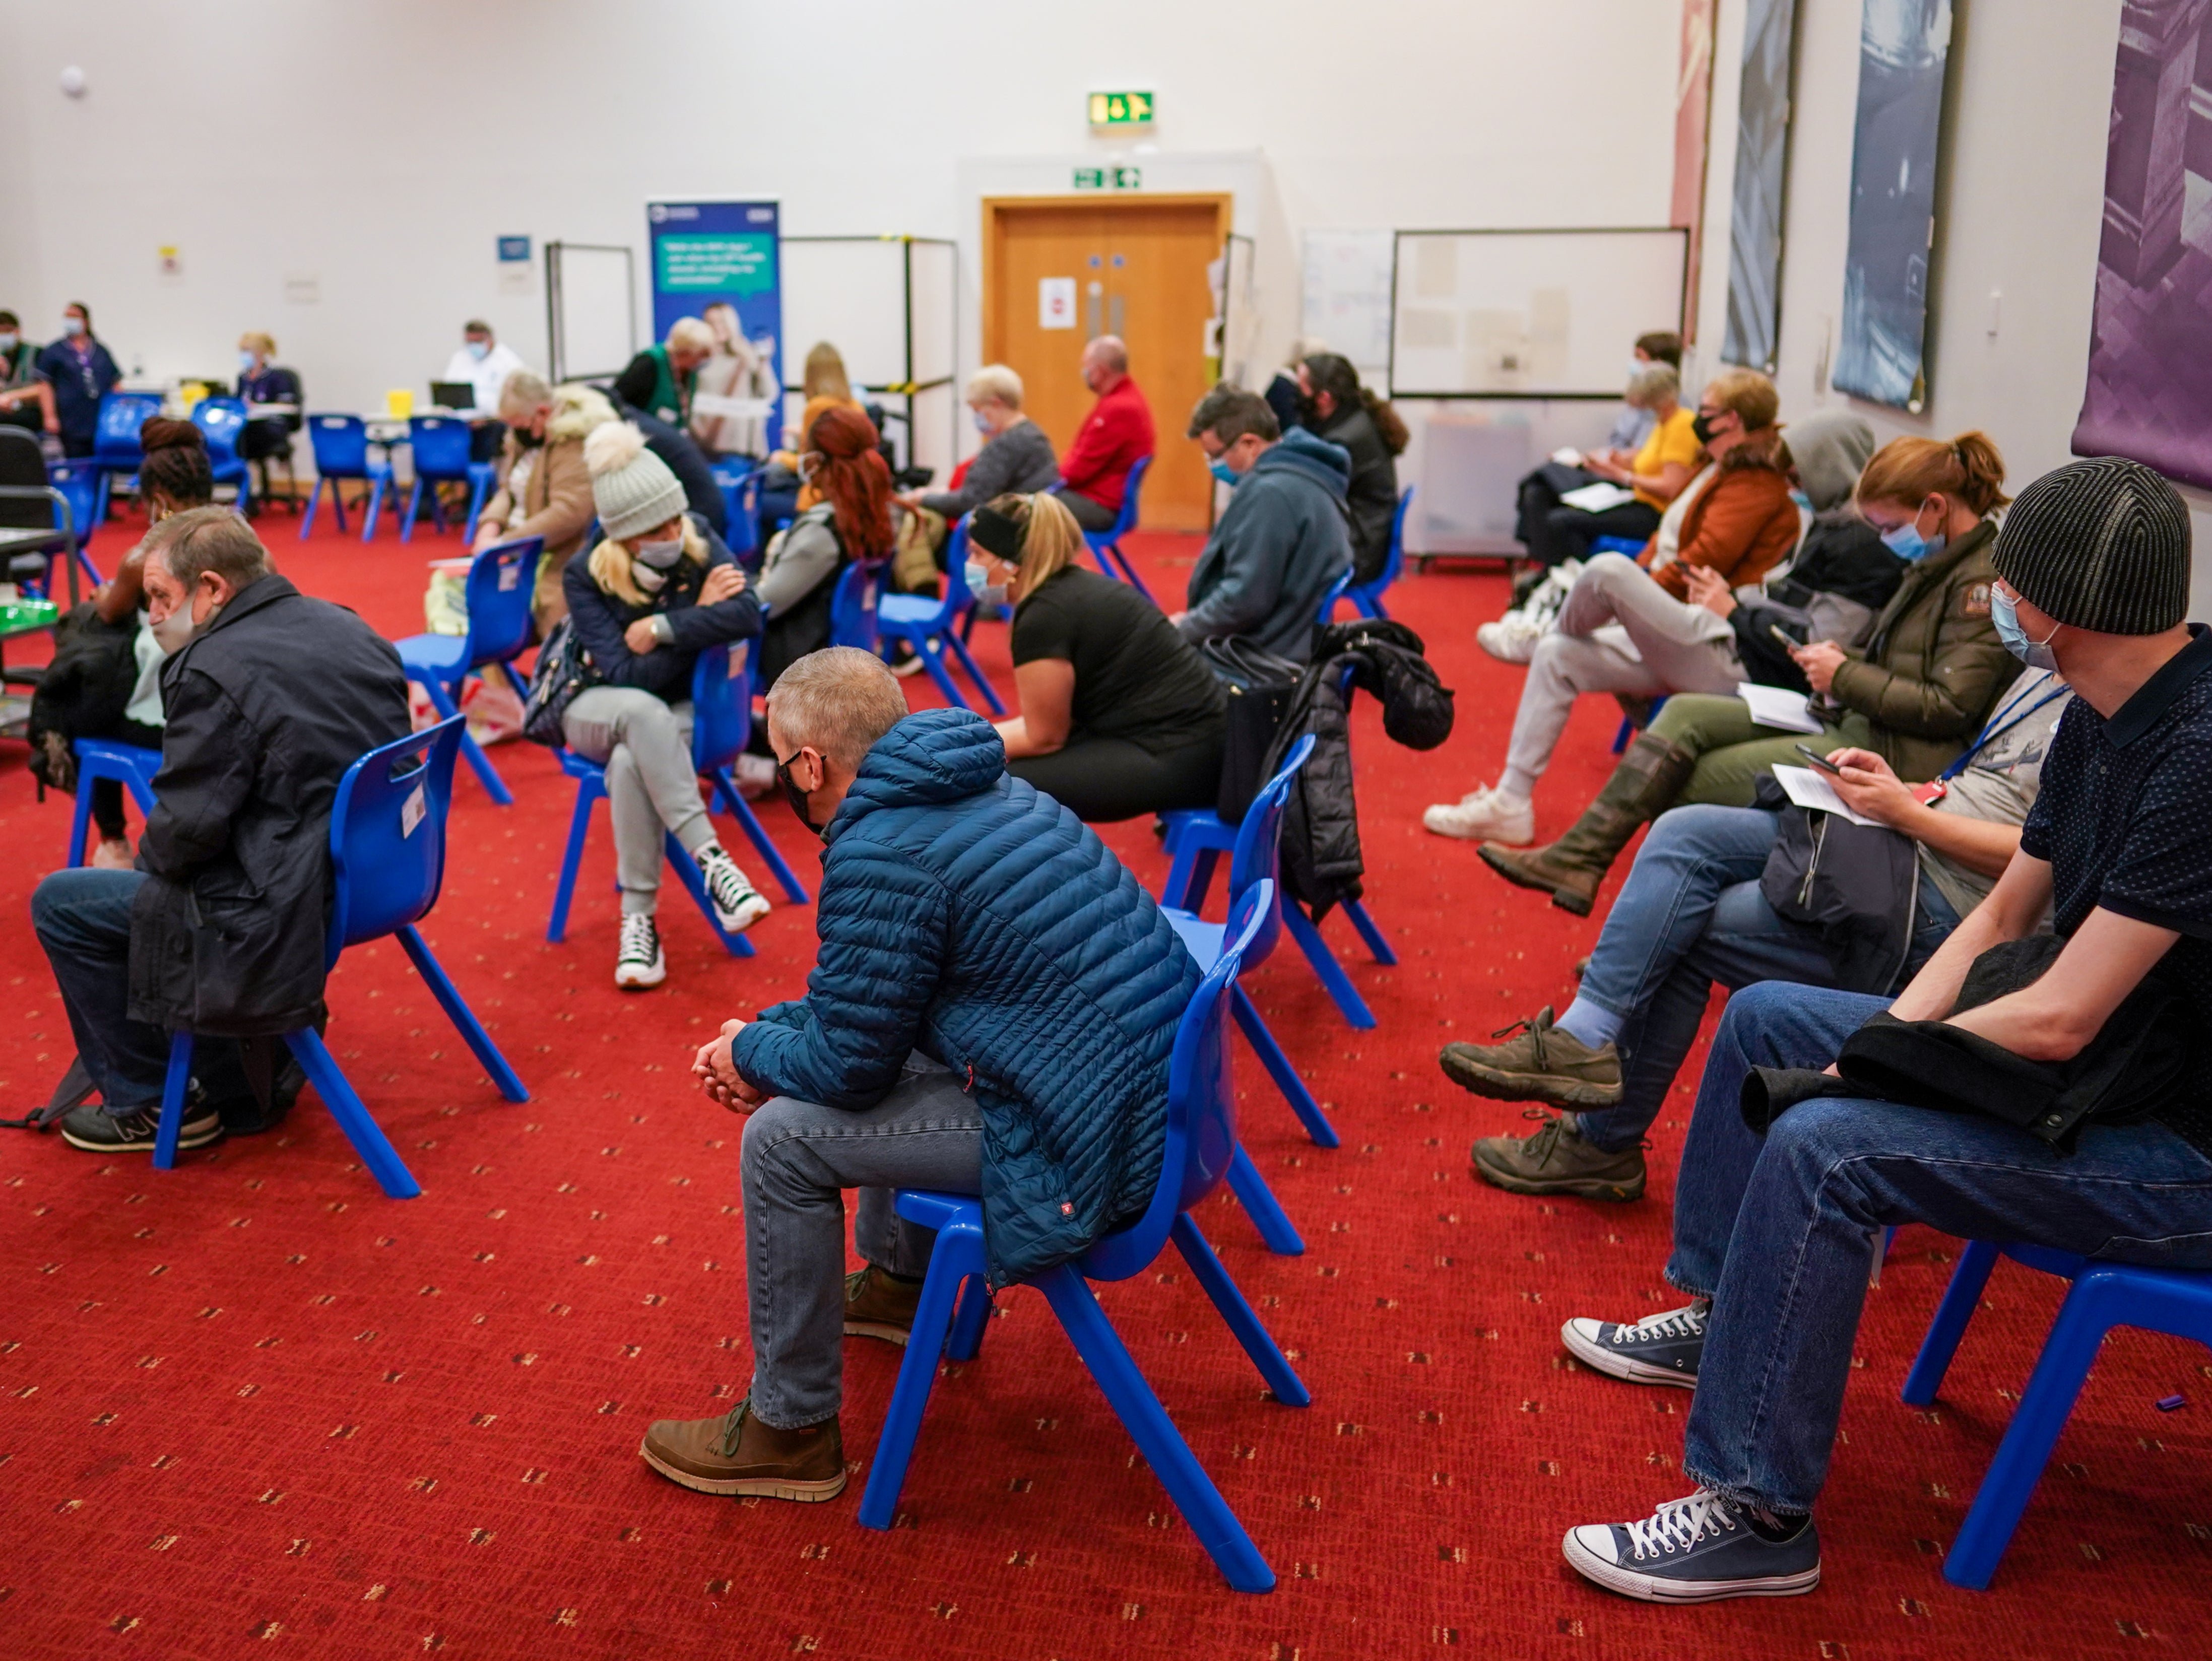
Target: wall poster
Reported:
point(1904, 47)
point(2149, 393)
point(707, 254)
point(1762, 156)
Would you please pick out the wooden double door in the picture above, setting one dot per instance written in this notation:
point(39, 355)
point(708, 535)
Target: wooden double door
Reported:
point(1057, 271)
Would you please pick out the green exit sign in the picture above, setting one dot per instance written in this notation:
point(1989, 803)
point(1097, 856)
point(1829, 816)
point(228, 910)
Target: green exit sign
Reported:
point(1121, 109)
point(1110, 179)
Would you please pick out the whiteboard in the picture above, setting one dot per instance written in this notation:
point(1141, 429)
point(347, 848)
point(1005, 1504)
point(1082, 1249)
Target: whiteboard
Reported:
point(1348, 295)
point(590, 289)
point(851, 292)
point(1529, 314)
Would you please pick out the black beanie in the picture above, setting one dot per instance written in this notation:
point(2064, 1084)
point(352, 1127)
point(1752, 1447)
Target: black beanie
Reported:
point(2101, 544)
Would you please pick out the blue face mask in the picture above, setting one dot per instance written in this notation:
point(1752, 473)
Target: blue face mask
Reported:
point(1223, 471)
point(981, 585)
point(479, 349)
point(2036, 654)
point(1909, 545)
point(982, 423)
point(246, 360)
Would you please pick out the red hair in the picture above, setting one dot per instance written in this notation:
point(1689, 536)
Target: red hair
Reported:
point(853, 479)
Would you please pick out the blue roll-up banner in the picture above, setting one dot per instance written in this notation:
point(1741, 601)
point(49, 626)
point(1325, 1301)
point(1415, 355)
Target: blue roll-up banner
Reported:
point(718, 253)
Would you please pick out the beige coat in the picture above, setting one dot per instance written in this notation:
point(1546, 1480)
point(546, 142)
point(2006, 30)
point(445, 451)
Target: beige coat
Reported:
point(556, 493)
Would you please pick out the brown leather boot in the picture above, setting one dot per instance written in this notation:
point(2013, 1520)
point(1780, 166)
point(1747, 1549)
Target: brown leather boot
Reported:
point(877, 1306)
point(1644, 786)
point(734, 1452)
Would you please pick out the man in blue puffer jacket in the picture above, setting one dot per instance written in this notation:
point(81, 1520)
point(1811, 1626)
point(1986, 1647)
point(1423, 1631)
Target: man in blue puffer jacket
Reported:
point(1285, 537)
point(991, 1012)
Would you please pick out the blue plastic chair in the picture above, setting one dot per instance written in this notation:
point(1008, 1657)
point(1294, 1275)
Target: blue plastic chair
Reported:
point(1367, 597)
point(439, 444)
point(855, 604)
point(341, 446)
point(387, 863)
point(719, 731)
point(502, 582)
point(1202, 1143)
point(1628, 728)
point(78, 481)
point(104, 758)
point(928, 625)
point(2104, 1295)
point(115, 447)
point(221, 422)
point(1256, 857)
point(1107, 544)
point(1627, 545)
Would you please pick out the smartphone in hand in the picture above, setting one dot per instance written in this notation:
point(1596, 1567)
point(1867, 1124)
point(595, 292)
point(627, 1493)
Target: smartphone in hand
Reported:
point(1817, 759)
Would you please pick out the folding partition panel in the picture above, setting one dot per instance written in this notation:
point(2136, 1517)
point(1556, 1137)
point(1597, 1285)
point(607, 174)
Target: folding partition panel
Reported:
point(890, 306)
point(591, 309)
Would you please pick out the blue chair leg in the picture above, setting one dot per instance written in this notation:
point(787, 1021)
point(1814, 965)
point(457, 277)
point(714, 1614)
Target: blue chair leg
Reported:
point(487, 774)
point(1377, 947)
point(967, 1326)
point(84, 564)
point(2068, 1353)
point(478, 488)
point(80, 819)
point(739, 808)
point(1130, 571)
point(314, 501)
point(687, 872)
point(1156, 1436)
point(377, 489)
point(1621, 738)
point(174, 1087)
point(982, 682)
point(1279, 1069)
point(1276, 1230)
point(414, 503)
point(1961, 1298)
point(958, 1255)
point(1258, 1343)
point(1189, 878)
point(1339, 985)
point(464, 1018)
point(932, 659)
point(376, 1152)
point(579, 825)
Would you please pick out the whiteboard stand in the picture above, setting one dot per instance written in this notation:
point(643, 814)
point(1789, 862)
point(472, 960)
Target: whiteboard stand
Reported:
point(891, 306)
point(582, 282)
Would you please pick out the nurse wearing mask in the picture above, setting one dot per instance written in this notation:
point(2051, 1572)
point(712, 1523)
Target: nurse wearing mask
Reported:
point(658, 590)
point(82, 372)
point(26, 399)
point(485, 364)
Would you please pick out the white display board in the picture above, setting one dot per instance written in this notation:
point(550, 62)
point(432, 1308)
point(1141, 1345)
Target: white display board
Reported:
point(1529, 314)
point(590, 296)
point(851, 292)
point(1348, 295)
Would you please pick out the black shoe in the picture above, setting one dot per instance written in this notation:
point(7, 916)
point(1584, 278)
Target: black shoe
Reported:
point(99, 1131)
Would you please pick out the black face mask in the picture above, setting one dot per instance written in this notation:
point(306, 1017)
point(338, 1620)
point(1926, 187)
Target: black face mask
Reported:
point(1702, 426)
point(525, 438)
point(793, 795)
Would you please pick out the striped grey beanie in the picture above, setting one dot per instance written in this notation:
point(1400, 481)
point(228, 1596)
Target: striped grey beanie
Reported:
point(2101, 544)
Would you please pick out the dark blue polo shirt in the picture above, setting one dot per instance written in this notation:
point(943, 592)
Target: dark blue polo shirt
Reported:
point(2124, 818)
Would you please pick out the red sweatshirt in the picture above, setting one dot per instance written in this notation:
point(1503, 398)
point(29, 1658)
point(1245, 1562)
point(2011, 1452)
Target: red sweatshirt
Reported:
point(1116, 435)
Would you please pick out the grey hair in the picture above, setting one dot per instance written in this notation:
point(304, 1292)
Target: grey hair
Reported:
point(995, 381)
point(215, 539)
point(840, 700)
point(524, 390)
point(1109, 350)
point(1652, 382)
point(690, 334)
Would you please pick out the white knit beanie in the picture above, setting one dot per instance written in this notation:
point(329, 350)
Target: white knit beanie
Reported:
point(631, 487)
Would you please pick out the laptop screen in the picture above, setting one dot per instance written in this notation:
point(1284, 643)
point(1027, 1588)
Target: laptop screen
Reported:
point(453, 394)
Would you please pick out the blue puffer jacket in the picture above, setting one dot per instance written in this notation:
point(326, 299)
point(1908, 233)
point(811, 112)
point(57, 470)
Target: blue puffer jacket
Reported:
point(966, 916)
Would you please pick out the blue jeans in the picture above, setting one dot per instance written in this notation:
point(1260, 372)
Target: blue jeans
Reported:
point(1691, 914)
point(82, 918)
point(1780, 1231)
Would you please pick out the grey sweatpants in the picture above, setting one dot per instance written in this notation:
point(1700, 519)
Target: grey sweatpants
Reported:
point(925, 1133)
point(645, 745)
point(1619, 631)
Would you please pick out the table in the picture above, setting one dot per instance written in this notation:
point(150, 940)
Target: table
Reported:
point(20, 617)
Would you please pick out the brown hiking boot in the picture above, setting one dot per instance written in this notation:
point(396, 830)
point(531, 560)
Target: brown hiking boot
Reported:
point(1538, 1063)
point(1556, 1160)
point(877, 1306)
point(734, 1452)
point(1644, 786)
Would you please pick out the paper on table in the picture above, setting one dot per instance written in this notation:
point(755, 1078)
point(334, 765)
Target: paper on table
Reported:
point(1808, 789)
point(1777, 707)
point(1568, 457)
point(714, 403)
point(1597, 498)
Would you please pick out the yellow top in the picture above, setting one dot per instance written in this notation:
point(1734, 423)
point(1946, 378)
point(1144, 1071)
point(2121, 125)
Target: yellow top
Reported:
point(1671, 440)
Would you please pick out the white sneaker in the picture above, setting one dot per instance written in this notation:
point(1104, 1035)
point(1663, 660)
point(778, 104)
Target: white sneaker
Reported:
point(1484, 816)
point(756, 776)
point(1511, 640)
point(738, 907)
point(639, 963)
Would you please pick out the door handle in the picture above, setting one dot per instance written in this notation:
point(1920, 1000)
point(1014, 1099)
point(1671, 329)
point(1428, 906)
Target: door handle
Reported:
point(1091, 330)
point(1114, 314)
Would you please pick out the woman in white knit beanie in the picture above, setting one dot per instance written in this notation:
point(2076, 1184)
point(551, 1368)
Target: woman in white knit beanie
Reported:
point(659, 588)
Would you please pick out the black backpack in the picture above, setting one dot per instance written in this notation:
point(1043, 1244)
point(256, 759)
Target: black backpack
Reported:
point(83, 692)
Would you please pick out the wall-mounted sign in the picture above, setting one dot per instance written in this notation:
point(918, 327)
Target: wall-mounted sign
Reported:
point(1110, 179)
point(1121, 109)
point(1055, 302)
point(514, 250)
point(718, 253)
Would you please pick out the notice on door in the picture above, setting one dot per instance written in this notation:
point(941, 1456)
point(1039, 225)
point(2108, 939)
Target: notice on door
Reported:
point(1056, 303)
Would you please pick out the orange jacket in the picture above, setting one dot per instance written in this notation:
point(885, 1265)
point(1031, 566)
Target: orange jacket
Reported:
point(1742, 525)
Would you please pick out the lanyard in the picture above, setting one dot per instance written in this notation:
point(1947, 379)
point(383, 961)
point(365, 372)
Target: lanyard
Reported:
point(1998, 725)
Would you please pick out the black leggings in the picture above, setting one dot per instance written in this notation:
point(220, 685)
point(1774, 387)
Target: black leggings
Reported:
point(1089, 514)
point(107, 793)
point(1102, 779)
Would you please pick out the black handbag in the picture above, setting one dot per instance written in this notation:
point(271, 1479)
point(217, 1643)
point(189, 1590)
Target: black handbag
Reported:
point(564, 668)
point(1259, 685)
point(1859, 885)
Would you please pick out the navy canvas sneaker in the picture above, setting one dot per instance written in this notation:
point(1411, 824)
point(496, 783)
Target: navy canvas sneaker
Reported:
point(1658, 1350)
point(1696, 1550)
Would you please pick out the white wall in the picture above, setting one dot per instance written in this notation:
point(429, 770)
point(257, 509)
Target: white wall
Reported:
point(381, 146)
point(2019, 210)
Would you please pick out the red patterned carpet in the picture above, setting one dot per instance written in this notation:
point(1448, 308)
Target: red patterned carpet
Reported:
point(251, 1407)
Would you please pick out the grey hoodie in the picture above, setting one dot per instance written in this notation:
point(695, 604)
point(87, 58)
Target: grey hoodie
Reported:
point(1279, 547)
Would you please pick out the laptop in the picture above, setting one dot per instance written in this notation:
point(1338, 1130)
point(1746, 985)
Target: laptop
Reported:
point(453, 394)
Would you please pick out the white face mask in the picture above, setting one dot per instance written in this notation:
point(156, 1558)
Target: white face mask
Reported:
point(8, 339)
point(982, 423)
point(174, 631)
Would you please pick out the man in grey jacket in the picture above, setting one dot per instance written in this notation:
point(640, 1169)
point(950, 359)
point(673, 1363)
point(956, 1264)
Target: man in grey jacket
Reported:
point(1286, 538)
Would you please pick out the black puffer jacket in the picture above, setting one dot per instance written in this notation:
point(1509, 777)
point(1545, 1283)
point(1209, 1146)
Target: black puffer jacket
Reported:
point(1322, 864)
point(264, 712)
